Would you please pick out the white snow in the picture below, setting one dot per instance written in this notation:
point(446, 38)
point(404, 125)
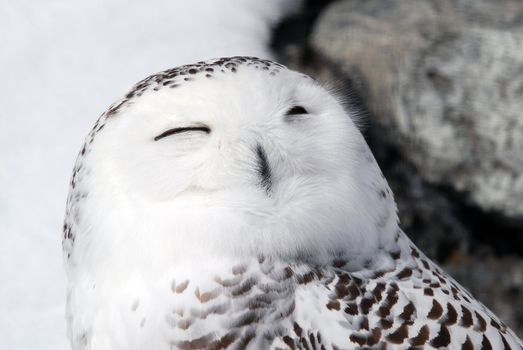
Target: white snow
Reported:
point(61, 64)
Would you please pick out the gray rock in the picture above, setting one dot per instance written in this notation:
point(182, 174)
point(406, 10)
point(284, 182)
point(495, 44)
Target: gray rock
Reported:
point(498, 282)
point(445, 78)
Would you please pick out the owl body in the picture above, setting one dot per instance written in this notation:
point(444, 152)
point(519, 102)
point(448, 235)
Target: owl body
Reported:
point(267, 303)
point(234, 204)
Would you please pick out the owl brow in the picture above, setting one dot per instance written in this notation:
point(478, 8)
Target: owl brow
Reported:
point(173, 131)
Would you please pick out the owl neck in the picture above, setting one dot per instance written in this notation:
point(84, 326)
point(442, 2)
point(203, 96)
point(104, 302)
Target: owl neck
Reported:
point(185, 230)
point(352, 214)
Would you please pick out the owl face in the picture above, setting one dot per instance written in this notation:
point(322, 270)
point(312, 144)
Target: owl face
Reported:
point(258, 156)
point(246, 131)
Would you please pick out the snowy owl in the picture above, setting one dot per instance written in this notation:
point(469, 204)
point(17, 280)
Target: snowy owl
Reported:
point(234, 204)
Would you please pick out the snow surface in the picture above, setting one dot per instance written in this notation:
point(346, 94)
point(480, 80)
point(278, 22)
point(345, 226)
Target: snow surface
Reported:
point(62, 63)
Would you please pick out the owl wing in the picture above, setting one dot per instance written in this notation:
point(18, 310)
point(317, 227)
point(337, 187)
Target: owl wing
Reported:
point(413, 306)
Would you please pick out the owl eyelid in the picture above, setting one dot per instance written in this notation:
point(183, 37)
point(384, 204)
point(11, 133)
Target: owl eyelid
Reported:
point(296, 110)
point(174, 131)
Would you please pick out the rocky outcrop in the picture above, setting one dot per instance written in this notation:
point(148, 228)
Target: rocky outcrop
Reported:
point(442, 84)
point(446, 79)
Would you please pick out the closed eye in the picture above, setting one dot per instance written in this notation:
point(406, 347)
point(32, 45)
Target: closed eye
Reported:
point(296, 114)
point(295, 110)
point(174, 131)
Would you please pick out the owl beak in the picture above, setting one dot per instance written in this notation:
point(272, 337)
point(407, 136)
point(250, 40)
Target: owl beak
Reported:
point(263, 169)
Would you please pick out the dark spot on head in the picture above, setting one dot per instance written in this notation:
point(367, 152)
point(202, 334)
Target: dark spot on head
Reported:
point(494, 324)
point(181, 287)
point(407, 313)
point(239, 269)
point(333, 305)
point(246, 339)
point(366, 304)
point(358, 338)
point(442, 339)
point(246, 319)
point(344, 278)
point(405, 273)
point(305, 278)
point(225, 341)
point(206, 296)
point(467, 345)
point(506, 346)
point(485, 343)
point(198, 343)
point(395, 255)
point(297, 329)
point(374, 337)
point(364, 323)
point(378, 274)
point(245, 287)
point(289, 342)
point(421, 338)
point(425, 264)
point(378, 290)
point(353, 290)
point(385, 323)
point(390, 301)
point(466, 317)
point(351, 309)
point(312, 339)
point(399, 335)
point(455, 293)
point(452, 316)
point(482, 326)
point(184, 324)
point(436, 311)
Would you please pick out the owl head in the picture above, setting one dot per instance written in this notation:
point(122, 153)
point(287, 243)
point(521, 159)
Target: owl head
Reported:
point(230, 156)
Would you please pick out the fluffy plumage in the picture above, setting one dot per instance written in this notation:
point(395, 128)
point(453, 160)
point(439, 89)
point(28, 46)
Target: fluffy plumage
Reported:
point(233, 203)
